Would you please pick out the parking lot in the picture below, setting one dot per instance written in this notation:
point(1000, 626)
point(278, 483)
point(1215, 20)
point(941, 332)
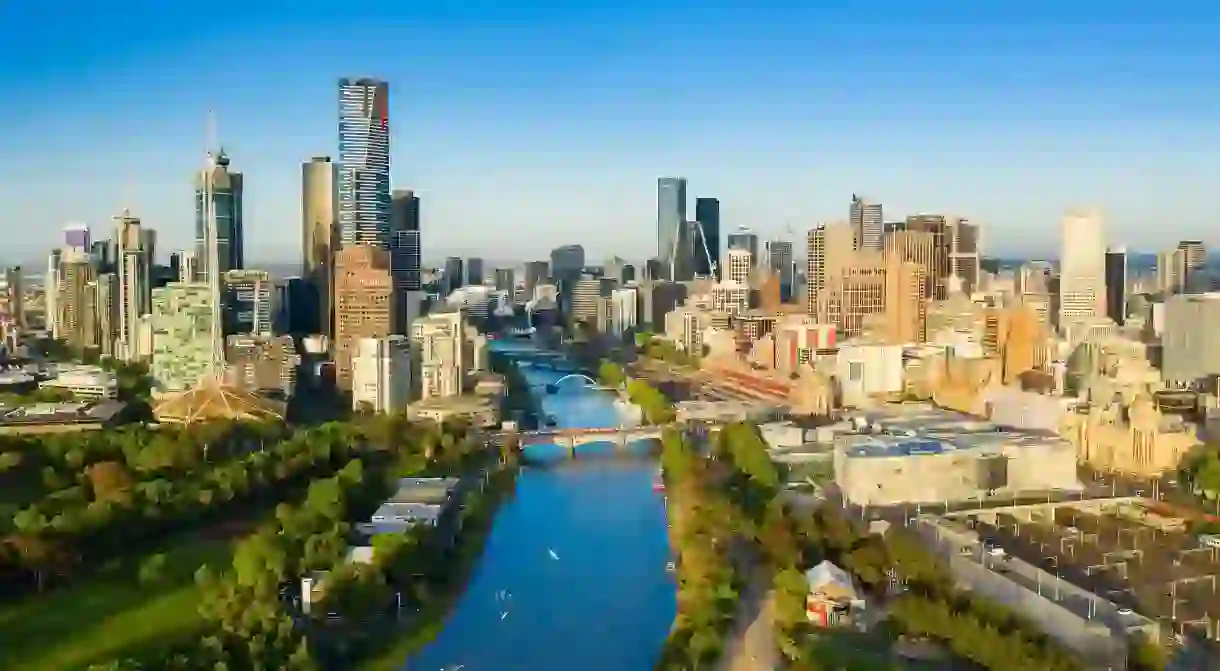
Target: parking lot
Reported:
point(1121, 551)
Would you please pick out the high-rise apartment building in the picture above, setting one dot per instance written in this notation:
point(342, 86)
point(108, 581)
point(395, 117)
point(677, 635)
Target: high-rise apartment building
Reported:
point(133, 266)
point(830, 250)
point(1082, 267)
point(867, 224)
point(183, 336)
point(671, 222)
point(247, 303)
point(906, 310)
point(219, 244)
point(107, 302)
point(14, 286)
point(938, 226)
point(50, 291)
point(319, 239)
point(857, 293)
point(741, 262)
point(364, 162)
point(1171, 271)
point(707, 247)
point(815, 267)
point(381, 374)
point(364, 306)
point(440, 338)
point(780, 261)
point(1116, 284)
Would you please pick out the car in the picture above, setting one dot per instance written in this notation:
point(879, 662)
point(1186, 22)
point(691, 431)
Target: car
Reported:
point(1125, 611)
point(996, 552)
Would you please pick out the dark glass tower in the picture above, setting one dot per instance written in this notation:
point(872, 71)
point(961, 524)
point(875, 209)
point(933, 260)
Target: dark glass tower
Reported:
point(364, 162)
point(1116, 284)
point(223, 187)
point(707, 247)
point(671, 220)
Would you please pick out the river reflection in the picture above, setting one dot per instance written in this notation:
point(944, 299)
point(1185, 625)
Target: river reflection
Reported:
point(606, 603)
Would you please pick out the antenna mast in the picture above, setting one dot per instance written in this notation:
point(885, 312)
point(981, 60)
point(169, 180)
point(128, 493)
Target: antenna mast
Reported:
point(211, 264)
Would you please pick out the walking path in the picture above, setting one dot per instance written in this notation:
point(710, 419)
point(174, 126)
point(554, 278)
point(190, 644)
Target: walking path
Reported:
point(752, 644)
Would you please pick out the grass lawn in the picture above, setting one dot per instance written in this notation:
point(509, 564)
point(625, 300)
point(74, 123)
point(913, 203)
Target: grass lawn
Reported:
point(109, 613)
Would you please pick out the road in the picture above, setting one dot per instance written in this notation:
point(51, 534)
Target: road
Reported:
point(752, 644)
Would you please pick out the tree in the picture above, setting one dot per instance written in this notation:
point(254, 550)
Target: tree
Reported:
point(110, 481)
point(152, 570)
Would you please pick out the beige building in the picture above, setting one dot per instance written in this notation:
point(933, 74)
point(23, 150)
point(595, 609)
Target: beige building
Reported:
point(1145, 443)
point(364, 304)
point(261, 363)
point(320, 233)
point(73, 303)
point(915, 247)
point(440, 338)
point(906, 311)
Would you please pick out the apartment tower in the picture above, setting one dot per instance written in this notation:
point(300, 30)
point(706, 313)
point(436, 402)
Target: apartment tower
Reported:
point(364, 162)
point(1082, 267)
point(134, 284)
point(867, 224)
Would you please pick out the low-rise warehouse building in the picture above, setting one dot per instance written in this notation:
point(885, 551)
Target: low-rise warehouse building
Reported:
point(926, 455)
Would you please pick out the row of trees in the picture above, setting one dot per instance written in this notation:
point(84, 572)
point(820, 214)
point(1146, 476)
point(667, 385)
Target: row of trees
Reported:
point(611, 374)
point(658, 348)
point(655, 407)
point(254, 619)
point(703, 526)
point(917, 589)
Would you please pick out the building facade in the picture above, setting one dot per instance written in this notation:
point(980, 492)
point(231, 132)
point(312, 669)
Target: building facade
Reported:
point(319, 241)
point(381, 374)
point(364, 306)
point(219, 244)
point(364, 162)
point(671, 220)
point(182, 351)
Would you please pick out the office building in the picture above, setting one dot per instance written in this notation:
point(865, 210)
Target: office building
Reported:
point(319, 242)
point(134, 284)
point(454, 277)
point(867, 224)
point(262, 363)
point(182, 351)
point(247, 303)
point(406, 256)
point(586, 292)
point(964, 253)
point(1082, 267)
point(780, 261)
point(474, 271)
point(707, 247)
point(906, 310)
point(731, 297)
point(14, 287)
point(1171, 271)
point(76, 236)
point(364, 306)
point(50, 291)
point(506, 281)
point(1189, 336)
point(381, 374)
point(745, 239)
point(741, 262)
point(857, 293)
point(107, 310)
point(1116, 284)
point(219, 244)
point(1195, 260)
point(915, 247)
point(567, 262)
point(536, 272)
point(671, 222)
point(364, 163)
point(815, 267)
point(74, 302)
point(937, 226)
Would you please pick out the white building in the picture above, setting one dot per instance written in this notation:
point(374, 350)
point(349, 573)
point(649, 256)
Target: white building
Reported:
point(1082, 267)
point(740, 263)
point(381, 374)
point(731, 297)
point(863, 370)
point(1190, 323)
point(623, 310)
point(89, 382)
point(440, 337)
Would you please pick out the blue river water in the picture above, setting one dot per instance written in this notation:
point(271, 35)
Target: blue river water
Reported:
point(606, 603)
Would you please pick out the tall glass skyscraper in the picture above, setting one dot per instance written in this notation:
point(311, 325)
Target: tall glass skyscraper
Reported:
point(364, 162)
point(218, 195)
point(707, 248)
point(671, 220)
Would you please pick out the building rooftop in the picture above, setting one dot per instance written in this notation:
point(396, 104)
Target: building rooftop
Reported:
point(60, 413)
point(407, 513)
point(431, 491)
point(917, 429)
point(212, 399)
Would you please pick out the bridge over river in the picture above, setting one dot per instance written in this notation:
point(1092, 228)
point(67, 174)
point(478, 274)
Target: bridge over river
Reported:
point(606, 603)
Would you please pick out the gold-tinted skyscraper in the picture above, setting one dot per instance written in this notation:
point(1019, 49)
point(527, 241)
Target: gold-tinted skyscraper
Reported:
point(320, 234)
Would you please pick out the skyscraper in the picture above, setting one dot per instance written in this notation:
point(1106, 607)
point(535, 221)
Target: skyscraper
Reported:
point(671, 220)
point(454, 278)
point(567, 262)
point(779, 260)
point(867, 223)
point(406, 250)
point(364, 162)
point(745, 239)
point(363, 305)
point(1116, 284)
point(218, 199)
point(319, 241)
point(474, 271)
point(134, 284)
point(1082, 282)
point(707, 247)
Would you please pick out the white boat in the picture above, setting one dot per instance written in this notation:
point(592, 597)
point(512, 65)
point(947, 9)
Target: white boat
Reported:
point(670, 567)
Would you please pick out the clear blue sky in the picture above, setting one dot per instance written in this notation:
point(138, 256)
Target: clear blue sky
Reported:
point(525, 125)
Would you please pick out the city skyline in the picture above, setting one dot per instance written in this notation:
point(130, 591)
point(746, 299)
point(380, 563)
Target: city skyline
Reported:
point(1019, 130)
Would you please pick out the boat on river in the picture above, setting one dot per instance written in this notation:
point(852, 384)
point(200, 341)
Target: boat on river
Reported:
point(658, 483)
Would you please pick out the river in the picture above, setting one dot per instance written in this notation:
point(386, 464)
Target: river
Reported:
point(606, 603)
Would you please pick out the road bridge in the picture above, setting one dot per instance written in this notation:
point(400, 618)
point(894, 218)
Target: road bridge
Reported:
point(621, 437)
